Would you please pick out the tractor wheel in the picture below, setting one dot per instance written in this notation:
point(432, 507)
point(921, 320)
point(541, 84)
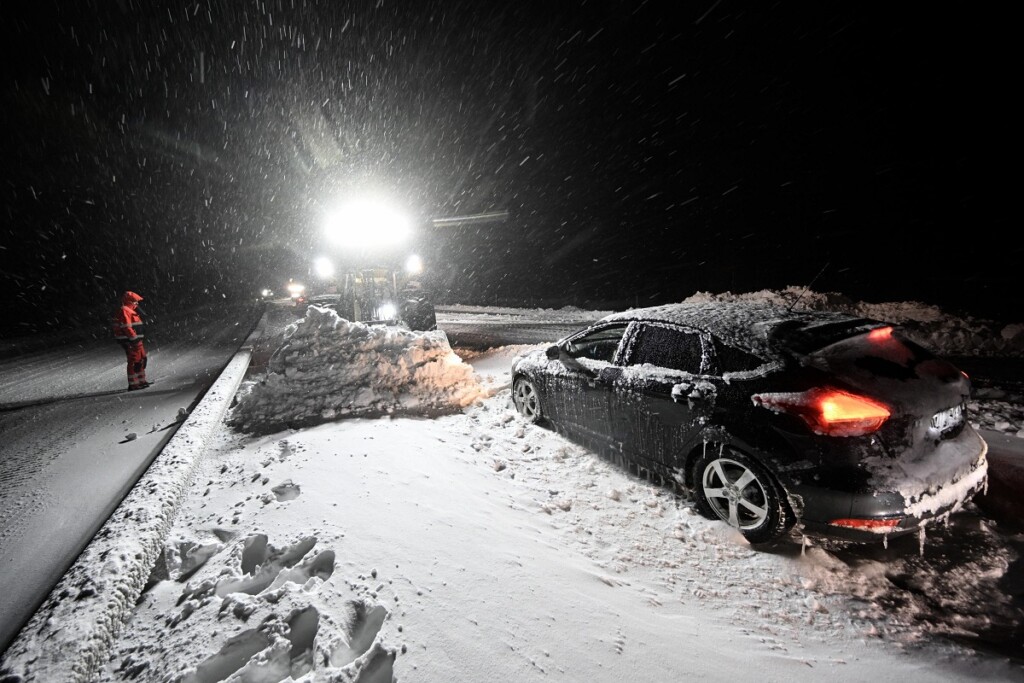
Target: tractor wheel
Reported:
point(419, 315)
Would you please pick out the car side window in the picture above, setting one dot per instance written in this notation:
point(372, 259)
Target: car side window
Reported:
point(668, 347)
point(732, 359)
point(597, 345)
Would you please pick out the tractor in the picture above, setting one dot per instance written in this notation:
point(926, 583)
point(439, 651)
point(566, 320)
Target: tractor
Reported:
point(370, 284)
point(385, 295)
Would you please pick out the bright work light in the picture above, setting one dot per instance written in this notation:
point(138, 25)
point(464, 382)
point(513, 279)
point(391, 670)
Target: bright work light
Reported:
point(364, 225)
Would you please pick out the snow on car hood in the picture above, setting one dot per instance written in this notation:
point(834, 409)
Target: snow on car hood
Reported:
point(329, 368)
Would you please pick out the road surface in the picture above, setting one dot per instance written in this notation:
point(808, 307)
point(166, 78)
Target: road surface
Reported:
point(74, 442)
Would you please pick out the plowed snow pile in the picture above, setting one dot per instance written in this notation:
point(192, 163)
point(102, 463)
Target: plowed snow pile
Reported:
point(329, 368)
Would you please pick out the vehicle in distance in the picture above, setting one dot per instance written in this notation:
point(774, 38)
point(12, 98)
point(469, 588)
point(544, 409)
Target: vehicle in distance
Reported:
point(297, 293)
point(773, 420)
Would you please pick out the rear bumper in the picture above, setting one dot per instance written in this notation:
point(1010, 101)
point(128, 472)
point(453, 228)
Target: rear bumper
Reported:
point(866, 513)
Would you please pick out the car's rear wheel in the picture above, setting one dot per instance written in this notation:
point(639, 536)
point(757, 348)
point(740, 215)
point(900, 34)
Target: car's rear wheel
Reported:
point(738, 490)
point(527, 399)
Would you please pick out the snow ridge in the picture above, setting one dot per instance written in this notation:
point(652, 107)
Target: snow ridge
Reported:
point(329, 368)
point(945, 334)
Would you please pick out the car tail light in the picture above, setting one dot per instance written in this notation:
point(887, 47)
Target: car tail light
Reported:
point(829, 411)
point(877, 525)
point(880, 333)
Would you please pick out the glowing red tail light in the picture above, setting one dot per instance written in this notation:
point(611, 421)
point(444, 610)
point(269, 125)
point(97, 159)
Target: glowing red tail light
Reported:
point(829, 411)
point(880, 333)
point(876, 525)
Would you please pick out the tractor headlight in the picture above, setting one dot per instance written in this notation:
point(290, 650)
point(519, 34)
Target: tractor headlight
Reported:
point(414, 265)
point(323, 267)
point(387, 311)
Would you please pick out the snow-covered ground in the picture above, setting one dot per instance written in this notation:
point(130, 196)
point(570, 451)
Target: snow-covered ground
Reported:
point(375, 510)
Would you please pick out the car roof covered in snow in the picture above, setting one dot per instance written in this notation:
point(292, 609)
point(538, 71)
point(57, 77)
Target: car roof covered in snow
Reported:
point(756, 326)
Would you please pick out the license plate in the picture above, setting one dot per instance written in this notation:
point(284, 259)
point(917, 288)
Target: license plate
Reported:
point(947, 419)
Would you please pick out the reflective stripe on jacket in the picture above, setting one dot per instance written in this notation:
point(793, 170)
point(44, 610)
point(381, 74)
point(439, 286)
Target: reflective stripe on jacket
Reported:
point(128, 325)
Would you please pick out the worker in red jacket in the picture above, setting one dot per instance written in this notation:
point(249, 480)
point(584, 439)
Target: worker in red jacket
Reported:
point(129, 333)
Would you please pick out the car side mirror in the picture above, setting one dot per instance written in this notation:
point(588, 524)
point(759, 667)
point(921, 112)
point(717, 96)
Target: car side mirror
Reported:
point(561, 354)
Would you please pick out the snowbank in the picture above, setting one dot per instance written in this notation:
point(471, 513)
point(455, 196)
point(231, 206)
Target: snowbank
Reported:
point(329, 368)
point(928, 325)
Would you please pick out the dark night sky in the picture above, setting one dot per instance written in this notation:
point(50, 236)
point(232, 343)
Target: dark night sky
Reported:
point(643, 150)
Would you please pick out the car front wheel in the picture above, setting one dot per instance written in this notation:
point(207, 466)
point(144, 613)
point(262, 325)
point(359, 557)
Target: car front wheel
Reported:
point(738, 490)
point(527, 399)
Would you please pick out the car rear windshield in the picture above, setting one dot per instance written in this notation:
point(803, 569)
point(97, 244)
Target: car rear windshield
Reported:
point(880, 353)
point(802, 337)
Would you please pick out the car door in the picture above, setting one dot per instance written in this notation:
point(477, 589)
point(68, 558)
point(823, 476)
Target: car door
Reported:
point(662, 393)
point(577, 396)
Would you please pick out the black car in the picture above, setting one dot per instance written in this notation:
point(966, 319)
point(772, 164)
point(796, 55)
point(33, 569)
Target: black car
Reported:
point(769, 417)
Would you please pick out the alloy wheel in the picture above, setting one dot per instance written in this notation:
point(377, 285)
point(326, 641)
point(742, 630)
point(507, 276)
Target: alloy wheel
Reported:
point(526, 399)
point(735, 494)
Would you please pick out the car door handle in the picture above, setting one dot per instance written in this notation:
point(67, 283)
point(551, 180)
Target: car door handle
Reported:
point(682, 391)
point(693, 394)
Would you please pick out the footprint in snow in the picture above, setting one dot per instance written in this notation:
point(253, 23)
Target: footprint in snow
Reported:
point(268, 652)
point(260, 565)
point(286, 491)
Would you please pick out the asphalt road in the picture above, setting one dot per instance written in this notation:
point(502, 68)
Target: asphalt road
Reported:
point(75, 442)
